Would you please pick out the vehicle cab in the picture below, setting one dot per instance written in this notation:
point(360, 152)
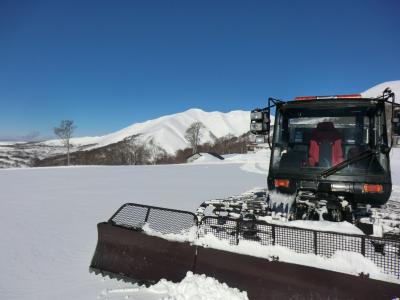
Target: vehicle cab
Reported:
point(337, 145)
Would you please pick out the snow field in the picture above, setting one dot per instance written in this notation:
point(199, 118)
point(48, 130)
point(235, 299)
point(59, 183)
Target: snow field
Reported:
point(49, 216)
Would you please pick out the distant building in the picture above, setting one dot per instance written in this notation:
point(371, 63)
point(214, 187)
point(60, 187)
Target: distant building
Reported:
point(197, 155)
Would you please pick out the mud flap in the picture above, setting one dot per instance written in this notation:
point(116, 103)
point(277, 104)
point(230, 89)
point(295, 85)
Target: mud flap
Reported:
point(130, 254)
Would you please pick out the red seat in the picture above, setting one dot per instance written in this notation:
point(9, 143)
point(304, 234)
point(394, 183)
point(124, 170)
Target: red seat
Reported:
point(325, 134)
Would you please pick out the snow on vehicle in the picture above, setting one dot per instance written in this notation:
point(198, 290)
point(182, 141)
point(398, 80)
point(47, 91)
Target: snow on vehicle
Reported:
point(329, 162)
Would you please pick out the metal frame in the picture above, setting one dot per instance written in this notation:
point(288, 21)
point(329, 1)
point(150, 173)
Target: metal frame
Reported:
point(149, 207)
point(382, 251)
point(323, 243)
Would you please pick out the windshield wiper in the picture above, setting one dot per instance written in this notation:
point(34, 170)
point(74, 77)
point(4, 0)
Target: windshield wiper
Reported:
point(345, 163)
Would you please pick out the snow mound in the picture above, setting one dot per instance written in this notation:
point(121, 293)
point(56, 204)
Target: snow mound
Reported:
point(184, 236)
point(197, 287)
point(256, 162)
point(339, 227)
point(379, 88)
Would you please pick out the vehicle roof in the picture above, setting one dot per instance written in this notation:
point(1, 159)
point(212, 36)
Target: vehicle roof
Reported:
point(331, 103)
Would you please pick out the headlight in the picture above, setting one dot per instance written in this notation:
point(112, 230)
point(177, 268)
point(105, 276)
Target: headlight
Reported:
point(257, 115)
point(256, 126)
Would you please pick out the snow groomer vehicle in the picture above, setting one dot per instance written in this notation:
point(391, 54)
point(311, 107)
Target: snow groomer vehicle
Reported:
point(329, 165)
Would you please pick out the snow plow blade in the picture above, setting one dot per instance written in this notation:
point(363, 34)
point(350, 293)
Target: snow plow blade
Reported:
point(264, 279)
point(124, 254)
point(123, 251)
point(129, 248)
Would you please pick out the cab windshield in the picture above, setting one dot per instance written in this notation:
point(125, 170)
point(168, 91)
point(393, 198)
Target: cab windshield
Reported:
point(315, 140)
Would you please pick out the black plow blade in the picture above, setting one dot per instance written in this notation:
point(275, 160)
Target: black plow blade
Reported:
point(129, 250)
point(134, 256)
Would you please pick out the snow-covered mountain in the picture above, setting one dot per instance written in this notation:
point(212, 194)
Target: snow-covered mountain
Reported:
point(377, 90)
point(169, 131)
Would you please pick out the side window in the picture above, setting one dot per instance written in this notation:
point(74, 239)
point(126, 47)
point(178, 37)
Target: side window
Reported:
point(298, 136)
point(366, 131)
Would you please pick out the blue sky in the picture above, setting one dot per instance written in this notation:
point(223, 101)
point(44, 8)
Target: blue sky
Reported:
point(108, 64)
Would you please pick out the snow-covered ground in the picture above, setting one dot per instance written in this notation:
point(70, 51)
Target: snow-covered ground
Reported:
point(49, 217)
point(252, 162)
point(192, 287)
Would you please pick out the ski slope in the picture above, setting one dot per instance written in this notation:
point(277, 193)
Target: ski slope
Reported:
point(49, 217)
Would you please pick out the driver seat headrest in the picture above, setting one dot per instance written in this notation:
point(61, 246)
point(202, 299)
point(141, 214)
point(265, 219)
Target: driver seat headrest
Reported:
point(325, 126)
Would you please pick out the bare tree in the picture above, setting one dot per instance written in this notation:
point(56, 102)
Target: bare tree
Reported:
point(193, 135)
point(227, 142)
point(137, 151)
point(64, 132)
point(156, 152)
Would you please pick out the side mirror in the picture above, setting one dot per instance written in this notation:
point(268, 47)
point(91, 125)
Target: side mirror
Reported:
point(260, 123)
point(396, 128)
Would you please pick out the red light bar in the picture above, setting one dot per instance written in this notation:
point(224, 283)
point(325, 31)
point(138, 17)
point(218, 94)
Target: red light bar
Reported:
point(348, 96)
point(306, 98)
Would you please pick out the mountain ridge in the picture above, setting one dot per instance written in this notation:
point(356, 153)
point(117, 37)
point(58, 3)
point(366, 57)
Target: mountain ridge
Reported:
point(168, 131)
point(378, 89)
